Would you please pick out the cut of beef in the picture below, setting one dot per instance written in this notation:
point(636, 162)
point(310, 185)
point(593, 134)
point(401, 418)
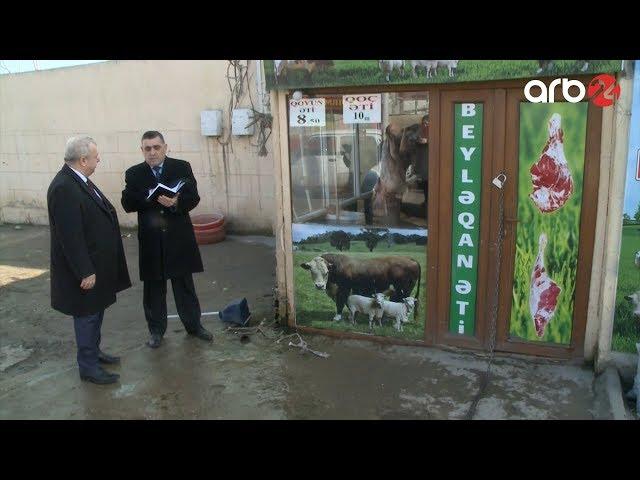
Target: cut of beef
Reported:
point(552, 182)
point(543, 297)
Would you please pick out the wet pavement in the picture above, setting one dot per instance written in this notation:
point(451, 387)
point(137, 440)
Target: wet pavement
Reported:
point(254, 378)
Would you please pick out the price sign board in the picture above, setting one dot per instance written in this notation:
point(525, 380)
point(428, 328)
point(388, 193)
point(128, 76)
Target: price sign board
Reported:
point(362, 108)
point(307, 112)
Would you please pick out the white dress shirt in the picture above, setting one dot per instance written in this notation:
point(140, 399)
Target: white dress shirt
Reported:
point(84, 179)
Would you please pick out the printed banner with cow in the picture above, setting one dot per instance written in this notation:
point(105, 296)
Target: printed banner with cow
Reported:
point(361, 279)
point(288, 74)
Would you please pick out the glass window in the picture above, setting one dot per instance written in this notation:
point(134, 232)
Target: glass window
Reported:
point(372, 174)
point(359, 204)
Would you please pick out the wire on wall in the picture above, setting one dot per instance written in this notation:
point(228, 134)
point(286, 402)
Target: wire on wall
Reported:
point(238, 80)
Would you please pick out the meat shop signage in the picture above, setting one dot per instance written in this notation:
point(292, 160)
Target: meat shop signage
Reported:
point(467, 175)
point(307, 112)
point(362, 108)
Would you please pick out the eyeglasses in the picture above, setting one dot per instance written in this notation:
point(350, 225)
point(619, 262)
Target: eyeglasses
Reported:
point(157, 148)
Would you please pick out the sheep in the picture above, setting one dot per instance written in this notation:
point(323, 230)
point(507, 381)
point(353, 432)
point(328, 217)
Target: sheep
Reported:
point(399, 311)
point(366, 305)
point(388, 66)
point(431, 66)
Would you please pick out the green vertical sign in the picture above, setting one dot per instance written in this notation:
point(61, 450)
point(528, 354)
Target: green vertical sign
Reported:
point(467, 176)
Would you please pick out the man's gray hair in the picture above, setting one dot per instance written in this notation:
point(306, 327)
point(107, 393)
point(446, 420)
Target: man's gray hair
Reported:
point(77, 147)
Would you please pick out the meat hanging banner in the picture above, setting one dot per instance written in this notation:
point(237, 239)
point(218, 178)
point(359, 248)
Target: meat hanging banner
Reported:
point(551, 169)
point(467, 176)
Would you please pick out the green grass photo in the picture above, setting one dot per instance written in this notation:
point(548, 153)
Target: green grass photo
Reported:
point(626, 326)
point(368, 72)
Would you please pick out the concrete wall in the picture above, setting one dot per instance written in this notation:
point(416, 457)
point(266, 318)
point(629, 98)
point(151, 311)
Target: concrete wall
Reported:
point(115, 102)
point(613, 221)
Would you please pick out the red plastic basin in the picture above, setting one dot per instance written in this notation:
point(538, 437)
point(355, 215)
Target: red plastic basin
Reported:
point(207, 221)
point(210, 236)
point(208, 228)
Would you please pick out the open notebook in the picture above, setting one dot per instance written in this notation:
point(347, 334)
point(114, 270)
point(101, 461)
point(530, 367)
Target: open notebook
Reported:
point(162, 189)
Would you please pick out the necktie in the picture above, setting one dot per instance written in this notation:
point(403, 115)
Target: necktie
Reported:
point(94, 190)
point(156, 171)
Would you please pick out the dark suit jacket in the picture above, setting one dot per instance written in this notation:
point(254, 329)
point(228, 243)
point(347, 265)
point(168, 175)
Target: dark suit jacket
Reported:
point(85, 240)
point(167, 243)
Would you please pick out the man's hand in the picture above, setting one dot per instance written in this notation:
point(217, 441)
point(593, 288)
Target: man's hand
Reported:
point(88, 282)
point(423, 140)
point(168, 202)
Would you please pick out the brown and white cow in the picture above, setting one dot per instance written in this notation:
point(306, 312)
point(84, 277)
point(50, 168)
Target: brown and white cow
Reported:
point(282, 67)
point(341, 275)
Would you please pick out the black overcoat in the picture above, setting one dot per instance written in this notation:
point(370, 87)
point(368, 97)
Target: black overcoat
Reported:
point(166, 240)
point(85, 240)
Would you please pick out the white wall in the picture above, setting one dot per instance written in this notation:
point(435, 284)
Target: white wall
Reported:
point(115, 102)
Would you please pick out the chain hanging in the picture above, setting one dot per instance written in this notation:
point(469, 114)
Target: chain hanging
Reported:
point(484, 379)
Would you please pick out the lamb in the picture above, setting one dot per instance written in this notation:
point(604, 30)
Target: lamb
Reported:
point(399, 311)
point(368, 305)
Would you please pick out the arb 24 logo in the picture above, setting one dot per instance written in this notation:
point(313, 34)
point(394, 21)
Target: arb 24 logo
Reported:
point(603, 90)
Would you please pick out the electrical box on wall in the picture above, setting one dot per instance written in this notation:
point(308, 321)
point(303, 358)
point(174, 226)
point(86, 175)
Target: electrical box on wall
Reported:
point(211, 123)
point(240, 118)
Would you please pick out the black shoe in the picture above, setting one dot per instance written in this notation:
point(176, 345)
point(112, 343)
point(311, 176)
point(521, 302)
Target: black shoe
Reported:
point(101, 378)
point(202, 334)
point(108, 359)
point(155, 340)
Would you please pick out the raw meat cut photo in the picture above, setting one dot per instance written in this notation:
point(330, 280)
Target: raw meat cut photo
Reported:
point(543, 297)
point(545, 280)
point(550, 175)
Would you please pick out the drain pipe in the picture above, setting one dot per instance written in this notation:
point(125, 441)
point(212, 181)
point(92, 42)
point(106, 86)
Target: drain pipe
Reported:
point(260, 86)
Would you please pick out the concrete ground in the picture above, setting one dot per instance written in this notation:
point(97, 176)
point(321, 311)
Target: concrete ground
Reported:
point(250, 378)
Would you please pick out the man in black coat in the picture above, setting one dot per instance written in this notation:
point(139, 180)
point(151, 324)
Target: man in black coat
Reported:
point(168, 247)
point(88, 265)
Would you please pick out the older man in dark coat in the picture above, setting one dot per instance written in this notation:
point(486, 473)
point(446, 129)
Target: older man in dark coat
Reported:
point(168, 248)
point(88, 265)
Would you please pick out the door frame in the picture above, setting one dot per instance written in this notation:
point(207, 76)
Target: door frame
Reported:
point(492, 109)
point(591, 179)
point(437, 311)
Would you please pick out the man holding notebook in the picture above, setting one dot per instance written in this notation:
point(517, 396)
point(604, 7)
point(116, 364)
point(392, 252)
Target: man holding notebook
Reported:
point(166, 241)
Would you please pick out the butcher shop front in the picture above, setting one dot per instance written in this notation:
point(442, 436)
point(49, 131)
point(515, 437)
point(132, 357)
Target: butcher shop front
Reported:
point(437, 203)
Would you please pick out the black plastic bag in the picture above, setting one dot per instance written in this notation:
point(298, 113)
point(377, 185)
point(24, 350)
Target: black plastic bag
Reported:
point(236, 313)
